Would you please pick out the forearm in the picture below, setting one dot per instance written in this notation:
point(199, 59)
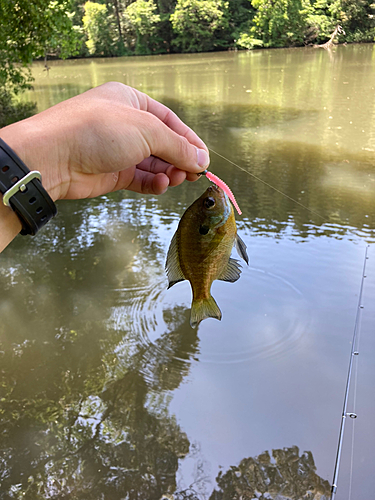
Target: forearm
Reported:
point(23, 139)
point(34, 142)
point(10, 226)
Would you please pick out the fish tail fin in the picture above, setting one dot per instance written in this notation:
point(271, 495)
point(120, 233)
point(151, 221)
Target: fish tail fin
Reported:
point(202, 309)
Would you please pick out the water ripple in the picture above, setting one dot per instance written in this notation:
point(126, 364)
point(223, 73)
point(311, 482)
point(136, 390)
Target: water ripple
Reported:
point(264, 315)
point(267, 317)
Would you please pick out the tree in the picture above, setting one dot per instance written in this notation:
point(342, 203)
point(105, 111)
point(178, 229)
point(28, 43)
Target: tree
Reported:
point(200, 25)
point(320, 21)
point(356, 18)
point(97, 27)
point(142, 23)
point(241, 14)
point(280, 23)
point(29, 30)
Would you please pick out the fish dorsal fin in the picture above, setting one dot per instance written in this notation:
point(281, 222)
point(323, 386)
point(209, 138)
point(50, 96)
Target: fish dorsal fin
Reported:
point(172, 265)
point(231, 272)
point(241, 249)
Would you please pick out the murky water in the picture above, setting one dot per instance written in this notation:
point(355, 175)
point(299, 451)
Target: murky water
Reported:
point(106, 391)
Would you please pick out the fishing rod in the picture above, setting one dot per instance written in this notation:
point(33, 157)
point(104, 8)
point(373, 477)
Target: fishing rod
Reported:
point(354, 349)
point(354, 352)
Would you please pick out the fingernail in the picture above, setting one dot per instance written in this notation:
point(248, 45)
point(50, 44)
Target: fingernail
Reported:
point(203, 158)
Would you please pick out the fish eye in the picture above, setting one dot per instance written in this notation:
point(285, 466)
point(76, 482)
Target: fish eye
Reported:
point(209, 202)
point(203, 230)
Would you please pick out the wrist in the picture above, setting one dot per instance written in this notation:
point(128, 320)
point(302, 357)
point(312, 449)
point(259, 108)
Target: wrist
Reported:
point(38, 151)
point(23, 192)
point(10, 226)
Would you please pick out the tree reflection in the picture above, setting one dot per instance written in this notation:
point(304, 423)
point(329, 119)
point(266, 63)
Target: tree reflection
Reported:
point(287, 475)
point(84, 401)
point(81, 435)
point(334, 183)
point(84, 392)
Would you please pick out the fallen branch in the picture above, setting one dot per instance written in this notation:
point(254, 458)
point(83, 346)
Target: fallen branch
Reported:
point(328, 45)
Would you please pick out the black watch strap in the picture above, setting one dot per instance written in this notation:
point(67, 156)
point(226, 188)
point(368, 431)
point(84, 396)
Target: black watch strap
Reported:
point(23, 191)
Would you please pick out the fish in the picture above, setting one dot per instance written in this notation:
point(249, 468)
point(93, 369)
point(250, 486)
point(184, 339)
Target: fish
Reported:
point(200, 251)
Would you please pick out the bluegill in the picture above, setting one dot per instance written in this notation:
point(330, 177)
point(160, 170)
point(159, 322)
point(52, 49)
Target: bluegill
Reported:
point(200, 251)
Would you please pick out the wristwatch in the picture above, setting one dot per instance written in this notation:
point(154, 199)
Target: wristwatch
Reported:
point(22, 191)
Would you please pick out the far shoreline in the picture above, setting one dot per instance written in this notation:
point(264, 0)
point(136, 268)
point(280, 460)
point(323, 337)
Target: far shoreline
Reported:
point(234, 49)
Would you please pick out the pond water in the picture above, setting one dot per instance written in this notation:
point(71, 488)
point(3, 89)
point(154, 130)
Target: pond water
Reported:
point(106, 391)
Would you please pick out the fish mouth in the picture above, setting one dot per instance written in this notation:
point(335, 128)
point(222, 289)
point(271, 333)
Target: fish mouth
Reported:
point(220, 194)
point(217, 191)
point(214, 189)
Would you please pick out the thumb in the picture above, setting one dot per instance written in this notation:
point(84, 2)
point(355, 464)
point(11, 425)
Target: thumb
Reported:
point(174, 148)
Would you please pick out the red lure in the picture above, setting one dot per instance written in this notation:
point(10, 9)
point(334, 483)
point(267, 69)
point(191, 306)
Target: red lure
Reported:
point(221, 184)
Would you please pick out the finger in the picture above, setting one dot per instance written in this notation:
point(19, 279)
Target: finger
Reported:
point(172, 121)
point(192, 177)
point(156, 166)
point(139, 100)
point(148, 183)
point(173, 148)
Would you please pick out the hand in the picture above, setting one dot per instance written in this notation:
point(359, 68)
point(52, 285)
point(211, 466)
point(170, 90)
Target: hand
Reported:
point(109, 138)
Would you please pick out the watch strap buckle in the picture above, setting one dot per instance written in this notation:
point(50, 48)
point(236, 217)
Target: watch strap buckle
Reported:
point(20, 185)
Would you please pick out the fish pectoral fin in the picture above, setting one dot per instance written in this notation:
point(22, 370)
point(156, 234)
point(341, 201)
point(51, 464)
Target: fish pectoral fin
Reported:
point(202, 309)
point(241, 249)
point(172, 265)
point(231, 272)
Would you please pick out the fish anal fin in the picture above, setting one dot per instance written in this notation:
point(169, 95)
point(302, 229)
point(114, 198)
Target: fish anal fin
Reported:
point(202, 309)
point(241, 249)
point(231, 272)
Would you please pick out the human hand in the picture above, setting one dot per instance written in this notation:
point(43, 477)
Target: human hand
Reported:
point(109, 138)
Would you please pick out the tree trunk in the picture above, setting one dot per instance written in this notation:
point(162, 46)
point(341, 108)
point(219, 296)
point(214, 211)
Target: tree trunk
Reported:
point(115, 3)
point(329, 44)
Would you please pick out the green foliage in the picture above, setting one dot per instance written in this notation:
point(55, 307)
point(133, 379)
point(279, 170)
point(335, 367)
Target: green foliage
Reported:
point(30, 30)
point(66, 28)
point(200, 25)
point(241, 14)
point(97, 28)
point(11, 110)
point(281, 23)
point(65, 38)
point(142, 23)
point(245, 41)
point(354, 16)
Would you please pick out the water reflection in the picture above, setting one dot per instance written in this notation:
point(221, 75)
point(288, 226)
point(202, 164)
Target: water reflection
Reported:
point(294, 118)
point(89, 366)
point(105, 389)
point(336, 183)
point(78, 438)
point(287, 475)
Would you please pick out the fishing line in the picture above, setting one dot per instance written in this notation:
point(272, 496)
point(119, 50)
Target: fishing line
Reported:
point(353, 427)
point(354, 352)
point(354, 411)
point(269, 185)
